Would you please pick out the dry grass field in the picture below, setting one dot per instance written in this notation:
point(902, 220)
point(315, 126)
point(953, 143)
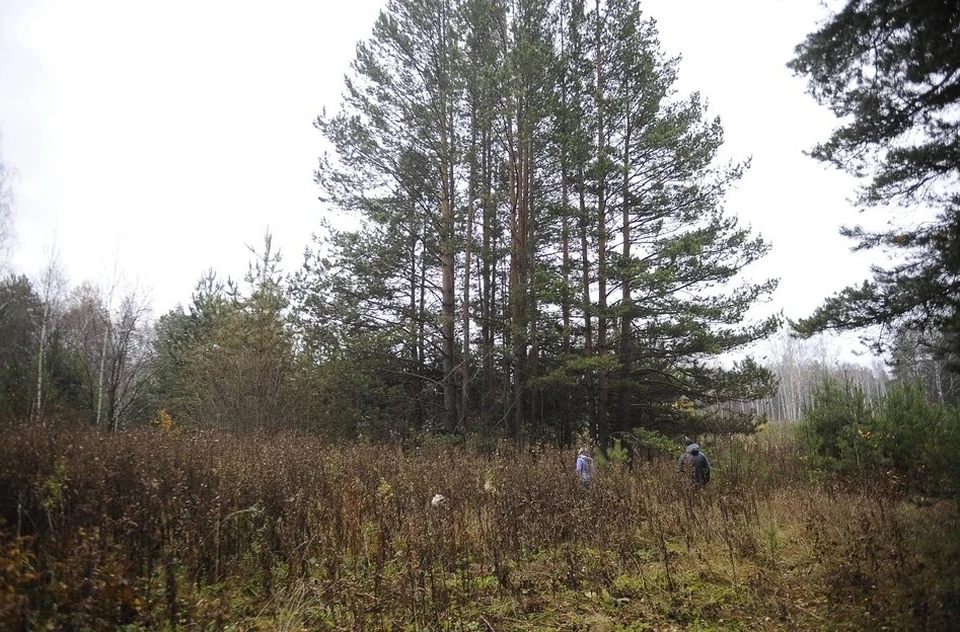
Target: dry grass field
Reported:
point(159, 530)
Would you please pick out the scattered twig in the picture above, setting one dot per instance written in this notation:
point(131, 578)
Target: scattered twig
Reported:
point(490, 627)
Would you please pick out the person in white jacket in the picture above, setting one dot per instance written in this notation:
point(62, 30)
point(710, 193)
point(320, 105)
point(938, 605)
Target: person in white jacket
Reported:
point(584, 465)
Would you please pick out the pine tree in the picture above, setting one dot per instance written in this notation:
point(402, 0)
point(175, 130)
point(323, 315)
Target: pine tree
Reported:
point(891, 70)
point(604, 254)
point(228, 360)
point(396, 143)
point(21, 310)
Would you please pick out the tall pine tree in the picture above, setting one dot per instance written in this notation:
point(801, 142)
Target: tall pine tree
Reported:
point(603, 256)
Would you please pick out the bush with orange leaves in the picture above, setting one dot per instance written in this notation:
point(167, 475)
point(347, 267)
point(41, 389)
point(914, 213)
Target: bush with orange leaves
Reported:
point(17, 574)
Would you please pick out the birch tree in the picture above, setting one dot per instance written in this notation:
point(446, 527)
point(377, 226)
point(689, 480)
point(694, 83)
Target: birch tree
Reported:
point(53, 286)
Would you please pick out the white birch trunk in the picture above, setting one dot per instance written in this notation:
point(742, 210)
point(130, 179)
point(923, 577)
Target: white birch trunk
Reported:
point(43, 344)
point(103, 356)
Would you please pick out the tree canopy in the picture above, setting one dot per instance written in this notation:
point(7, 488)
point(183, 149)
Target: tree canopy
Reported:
point(890, 69)
point(542, 246)
point(538, 248)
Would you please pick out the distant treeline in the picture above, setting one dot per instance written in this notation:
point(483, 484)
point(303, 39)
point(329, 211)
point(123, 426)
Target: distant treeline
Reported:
point(803, 368)
point(234, 360)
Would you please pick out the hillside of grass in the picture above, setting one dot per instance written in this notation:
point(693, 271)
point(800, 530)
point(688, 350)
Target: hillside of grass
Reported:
point(204, 531)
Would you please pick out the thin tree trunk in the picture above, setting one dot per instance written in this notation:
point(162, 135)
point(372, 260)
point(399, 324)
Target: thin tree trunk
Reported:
point(518, 270)
point(564, 417)
point(585, 269)
point(532, 311)
point(447, 318)
point(487, 307)
point(587, 303)
point(602, 418)
point(414, 314)
point(447, 291)
point(43, 346)
point(565, 307)
point(421, 315)
point(468, 250)
point(626, 302)
point(447, 299)
point(103, 356)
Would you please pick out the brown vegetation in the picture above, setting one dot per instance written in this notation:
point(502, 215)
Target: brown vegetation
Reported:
point(155, 529)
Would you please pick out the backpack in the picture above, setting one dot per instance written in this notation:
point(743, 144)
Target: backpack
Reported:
point(701, 469)
point(589, 469)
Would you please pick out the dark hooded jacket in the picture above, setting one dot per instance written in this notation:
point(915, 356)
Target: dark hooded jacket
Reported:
point(701, 466)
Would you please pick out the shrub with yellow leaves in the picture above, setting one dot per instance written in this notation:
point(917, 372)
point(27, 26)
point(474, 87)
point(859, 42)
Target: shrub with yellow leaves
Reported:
point(17, 575)
point(164, 421)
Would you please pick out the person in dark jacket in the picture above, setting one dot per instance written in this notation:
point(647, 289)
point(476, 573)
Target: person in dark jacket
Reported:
point(701, 466)
point(695, 462)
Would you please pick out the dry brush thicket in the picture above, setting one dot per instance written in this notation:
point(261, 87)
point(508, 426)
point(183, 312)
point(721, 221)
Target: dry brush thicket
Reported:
point(159, 530)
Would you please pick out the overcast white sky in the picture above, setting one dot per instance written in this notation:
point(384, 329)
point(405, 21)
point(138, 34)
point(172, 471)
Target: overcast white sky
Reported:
point(164, 136)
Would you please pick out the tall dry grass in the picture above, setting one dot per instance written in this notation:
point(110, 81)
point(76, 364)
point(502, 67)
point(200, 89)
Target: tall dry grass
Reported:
point(208, 531)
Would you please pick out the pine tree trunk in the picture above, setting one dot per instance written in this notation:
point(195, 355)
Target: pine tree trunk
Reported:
point(585, 269)
point(414, 313)
point(447, 318)
point(421, 315)
point(564, 421)
point(468, 251)
point(603, 422)
point(565, 307)
point(587, 303)
point(518, 227)
point(488, 273)
point(532, 308)
point(626, 303)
